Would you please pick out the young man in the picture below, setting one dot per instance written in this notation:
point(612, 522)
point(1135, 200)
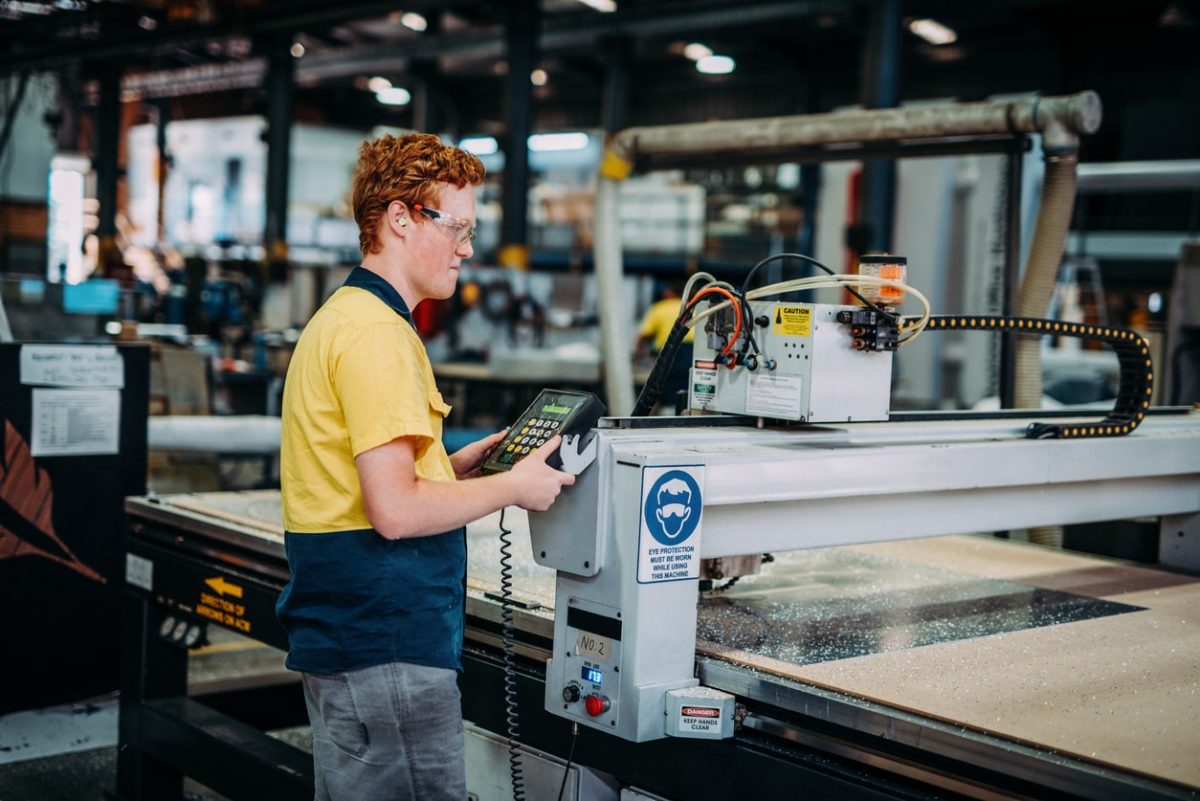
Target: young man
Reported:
point(373, 506)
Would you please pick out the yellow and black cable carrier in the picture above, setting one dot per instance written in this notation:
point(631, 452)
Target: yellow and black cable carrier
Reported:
point(1133, 356)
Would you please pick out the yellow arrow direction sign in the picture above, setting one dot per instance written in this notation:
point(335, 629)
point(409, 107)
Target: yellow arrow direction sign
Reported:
point(223, 587)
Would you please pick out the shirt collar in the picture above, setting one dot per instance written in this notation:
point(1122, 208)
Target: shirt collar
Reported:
point(363, 278)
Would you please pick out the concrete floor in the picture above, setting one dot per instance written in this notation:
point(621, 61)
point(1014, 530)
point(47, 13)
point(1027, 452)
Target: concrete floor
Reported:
point(81, 772)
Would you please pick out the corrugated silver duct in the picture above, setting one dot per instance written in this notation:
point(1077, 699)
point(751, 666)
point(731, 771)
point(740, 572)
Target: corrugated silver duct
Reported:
point(1041, 270)
point(1061, 147)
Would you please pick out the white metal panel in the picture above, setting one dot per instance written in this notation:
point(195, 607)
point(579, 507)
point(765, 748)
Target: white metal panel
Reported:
point(785, 489)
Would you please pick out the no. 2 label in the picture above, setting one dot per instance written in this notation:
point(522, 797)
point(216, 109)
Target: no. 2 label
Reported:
point(591, 646)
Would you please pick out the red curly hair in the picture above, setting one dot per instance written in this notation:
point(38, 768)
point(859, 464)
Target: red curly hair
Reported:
point(407, 168)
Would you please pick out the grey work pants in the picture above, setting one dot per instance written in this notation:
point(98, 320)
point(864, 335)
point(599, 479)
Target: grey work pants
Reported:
point(391, 732)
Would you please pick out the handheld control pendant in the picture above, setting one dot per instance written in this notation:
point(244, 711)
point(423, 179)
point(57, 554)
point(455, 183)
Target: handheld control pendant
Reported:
point(555, 411)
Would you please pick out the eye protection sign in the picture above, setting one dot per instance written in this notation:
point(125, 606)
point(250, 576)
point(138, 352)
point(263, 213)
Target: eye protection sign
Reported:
point(671, 508)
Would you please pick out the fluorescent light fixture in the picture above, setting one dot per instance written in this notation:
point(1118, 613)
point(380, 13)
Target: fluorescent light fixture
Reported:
point(19, 7)
point(716, 65)
point(787, 175)
point(573, 140)
point(394, 96)
point(606, 6)
point(480, 145)
point(297, 50)
point(696, 51)
point(413, 21)
point(378, 84)
point(538, 77)
point(933, 31)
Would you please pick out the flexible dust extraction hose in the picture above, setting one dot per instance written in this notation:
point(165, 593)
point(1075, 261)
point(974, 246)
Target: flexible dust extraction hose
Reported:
point(1041, 270)
point(1037, 289)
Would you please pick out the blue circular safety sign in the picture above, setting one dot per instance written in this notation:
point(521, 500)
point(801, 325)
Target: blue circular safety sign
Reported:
point(672, 509)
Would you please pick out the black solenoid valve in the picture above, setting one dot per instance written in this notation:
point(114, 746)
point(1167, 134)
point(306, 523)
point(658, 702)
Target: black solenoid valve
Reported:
point(870, 329)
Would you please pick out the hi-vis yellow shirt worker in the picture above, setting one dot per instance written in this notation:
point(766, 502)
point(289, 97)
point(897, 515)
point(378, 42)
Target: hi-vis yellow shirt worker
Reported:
point(658, 321)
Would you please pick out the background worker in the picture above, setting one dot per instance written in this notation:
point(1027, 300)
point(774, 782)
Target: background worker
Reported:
point(655, 327)
point(373, 506)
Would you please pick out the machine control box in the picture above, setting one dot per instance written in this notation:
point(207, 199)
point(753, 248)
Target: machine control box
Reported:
point(554, 412)
point(586, 678)
point(811, 367)
point(699, 712)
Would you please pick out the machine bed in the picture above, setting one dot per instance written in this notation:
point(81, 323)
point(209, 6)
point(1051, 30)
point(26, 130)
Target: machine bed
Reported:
point(1059, 671)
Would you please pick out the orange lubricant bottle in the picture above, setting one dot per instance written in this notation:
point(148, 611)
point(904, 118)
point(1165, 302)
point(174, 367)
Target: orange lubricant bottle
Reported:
point(883, 265)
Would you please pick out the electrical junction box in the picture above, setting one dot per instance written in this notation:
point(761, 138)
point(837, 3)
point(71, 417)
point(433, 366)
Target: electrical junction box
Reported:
point(808, 368)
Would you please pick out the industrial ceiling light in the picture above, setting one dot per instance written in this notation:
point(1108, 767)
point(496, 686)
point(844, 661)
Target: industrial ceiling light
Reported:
point(1176, 16)
point(605, 6)
point(571, 140)
point(716, 65)
point(413, 21)
point(480, 145)
point(696, 51)
point(538, 77)
point(932, 31)
point(297, 50)
point(378, 84)
point(19, 7)
point(394, 96)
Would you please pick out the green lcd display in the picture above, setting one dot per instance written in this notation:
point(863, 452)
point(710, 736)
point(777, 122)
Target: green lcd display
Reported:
point(553, 413)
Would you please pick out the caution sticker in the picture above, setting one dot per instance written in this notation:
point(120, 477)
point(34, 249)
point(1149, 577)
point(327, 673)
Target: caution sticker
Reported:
point(699, 719)
point(704, 387)
point(139, 572)
point(220, 609)
point(774, 396)
point(792, 321)
point(223, 611)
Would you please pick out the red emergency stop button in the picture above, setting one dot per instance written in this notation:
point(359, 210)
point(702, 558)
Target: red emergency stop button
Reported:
point(596, 705)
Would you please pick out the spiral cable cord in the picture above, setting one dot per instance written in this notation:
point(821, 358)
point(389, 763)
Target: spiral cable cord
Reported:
point(516, 772)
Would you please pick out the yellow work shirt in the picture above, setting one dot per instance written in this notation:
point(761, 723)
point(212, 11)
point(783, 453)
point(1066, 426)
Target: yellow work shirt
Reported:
point(359, 378)
point(658, 321)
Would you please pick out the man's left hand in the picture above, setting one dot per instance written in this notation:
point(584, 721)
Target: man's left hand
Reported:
point(466, 462)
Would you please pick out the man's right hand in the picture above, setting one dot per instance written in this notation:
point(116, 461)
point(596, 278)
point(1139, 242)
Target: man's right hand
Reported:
point(538, 484)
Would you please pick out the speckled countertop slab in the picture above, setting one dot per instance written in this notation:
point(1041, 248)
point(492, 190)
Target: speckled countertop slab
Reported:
point(1077, 655)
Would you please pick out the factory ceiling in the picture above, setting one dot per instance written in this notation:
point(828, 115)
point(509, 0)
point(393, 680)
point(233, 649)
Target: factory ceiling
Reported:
point(208, 56)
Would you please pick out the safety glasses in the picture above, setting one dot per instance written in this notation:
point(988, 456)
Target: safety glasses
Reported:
point(460, 229)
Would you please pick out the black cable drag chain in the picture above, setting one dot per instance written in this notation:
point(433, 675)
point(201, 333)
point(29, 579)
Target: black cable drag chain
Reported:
point(1133, 356)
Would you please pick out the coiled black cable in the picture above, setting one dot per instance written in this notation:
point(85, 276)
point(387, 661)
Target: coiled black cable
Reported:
point(652, 391)
point(516, 772)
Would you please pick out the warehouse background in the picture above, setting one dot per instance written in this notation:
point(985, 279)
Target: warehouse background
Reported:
point(174, 180)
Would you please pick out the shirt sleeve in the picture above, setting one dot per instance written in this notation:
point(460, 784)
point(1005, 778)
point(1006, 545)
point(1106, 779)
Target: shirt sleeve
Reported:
point(378, 379)
point(649, 322)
